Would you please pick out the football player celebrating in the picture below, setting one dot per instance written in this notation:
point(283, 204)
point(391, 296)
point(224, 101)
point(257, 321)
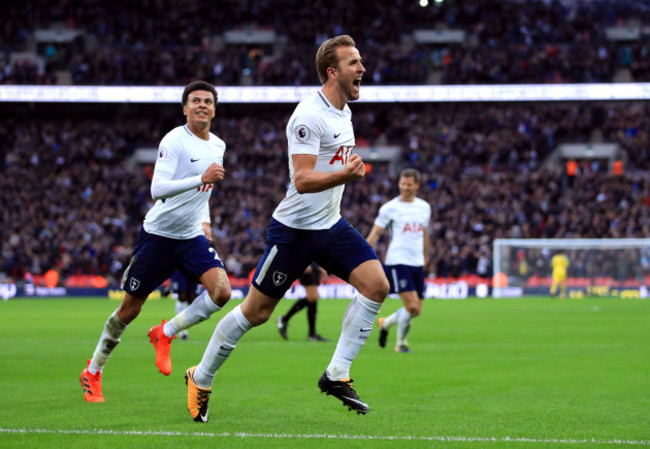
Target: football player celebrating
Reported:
point(307, 226)
point(175, 235)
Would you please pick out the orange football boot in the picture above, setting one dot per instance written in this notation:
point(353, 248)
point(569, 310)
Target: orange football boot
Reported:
point(162, 344)
point(92, 385)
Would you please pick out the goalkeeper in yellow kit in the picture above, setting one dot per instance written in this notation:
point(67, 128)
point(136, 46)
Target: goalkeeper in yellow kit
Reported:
point(560, 265)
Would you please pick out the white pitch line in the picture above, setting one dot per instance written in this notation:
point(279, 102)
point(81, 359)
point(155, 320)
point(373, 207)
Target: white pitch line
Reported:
point(324, 436)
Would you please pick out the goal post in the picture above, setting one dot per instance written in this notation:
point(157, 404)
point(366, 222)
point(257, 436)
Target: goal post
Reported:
point(596, 267)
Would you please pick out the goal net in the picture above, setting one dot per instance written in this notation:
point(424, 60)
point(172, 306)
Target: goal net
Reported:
point(596, 267)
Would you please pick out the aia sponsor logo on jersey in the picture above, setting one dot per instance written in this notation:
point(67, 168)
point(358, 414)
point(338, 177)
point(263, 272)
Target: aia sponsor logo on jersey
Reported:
point(413, 227)
point(342, 155)
point(204, 188)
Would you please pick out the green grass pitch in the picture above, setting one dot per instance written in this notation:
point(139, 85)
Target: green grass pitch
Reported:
point(484, 373)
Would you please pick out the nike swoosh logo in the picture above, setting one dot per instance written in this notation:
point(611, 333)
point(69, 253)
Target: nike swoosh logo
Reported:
point(194, 160)
point(365, 329)
point(354, 400)
point(204, 418)
point(336, 135)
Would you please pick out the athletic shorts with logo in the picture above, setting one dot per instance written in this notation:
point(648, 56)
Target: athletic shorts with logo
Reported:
point(289, 251)
point(405, 278)
point(155, 258)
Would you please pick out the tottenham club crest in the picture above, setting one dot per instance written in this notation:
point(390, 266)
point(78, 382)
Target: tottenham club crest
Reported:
point(134, 284)
point(302, 133)
point(279, 278)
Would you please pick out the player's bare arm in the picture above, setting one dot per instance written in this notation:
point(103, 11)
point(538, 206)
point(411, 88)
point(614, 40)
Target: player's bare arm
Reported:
point(214, 173)
point(374, 235)
point(425, 247)
point(308, 180)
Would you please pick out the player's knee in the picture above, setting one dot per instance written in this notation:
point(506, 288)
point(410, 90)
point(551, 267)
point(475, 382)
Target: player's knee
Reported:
point(257, 316)
point(221, 292)
point(223, 295)
point(378, 290)
point(413, 310)
point(383, 287)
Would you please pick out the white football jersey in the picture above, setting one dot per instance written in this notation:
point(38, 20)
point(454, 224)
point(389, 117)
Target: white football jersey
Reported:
point(407, 223)
point(183, 155)
point(316, 127)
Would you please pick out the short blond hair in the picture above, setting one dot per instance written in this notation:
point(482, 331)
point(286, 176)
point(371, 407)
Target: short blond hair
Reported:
point(326, 54)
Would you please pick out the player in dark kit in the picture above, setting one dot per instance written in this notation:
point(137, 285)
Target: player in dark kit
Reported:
point(310, 279)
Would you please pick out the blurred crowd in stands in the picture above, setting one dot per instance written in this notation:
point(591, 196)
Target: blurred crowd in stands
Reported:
point(73, 197)
point(169, 42)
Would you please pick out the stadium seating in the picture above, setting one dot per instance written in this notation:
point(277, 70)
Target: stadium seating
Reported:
point(272, 42)
point(487, 168)
point(483, 172)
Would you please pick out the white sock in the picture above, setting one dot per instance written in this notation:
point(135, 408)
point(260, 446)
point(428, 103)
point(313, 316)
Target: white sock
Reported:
point(357, 325)
point(180, 306)
point(110, 337)
point(391, 320)
point(403, 326)
point(200, 310)
point(229, 330)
